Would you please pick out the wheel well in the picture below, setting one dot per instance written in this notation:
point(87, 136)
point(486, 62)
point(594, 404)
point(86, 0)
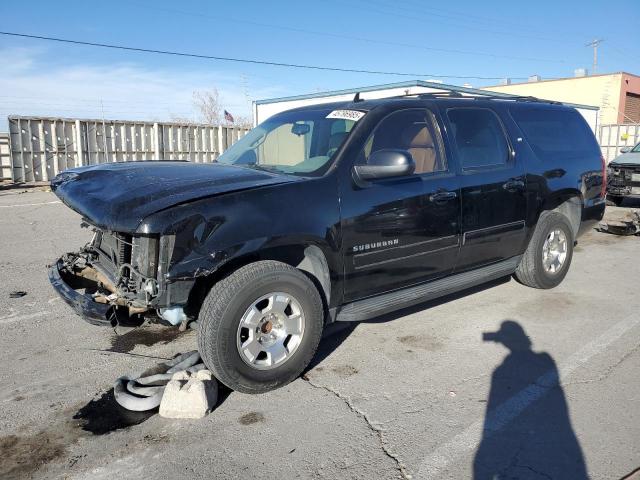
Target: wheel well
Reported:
point(570, 207)
point(308, 258)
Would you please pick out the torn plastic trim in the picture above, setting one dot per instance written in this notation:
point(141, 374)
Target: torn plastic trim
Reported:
point(93, 312)
point(91, 295)
point(173, 315)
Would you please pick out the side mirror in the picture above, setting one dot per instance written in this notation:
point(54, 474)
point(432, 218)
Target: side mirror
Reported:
point(386, 163)
point(625, 149)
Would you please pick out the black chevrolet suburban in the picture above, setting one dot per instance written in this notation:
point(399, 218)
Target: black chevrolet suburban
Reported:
point(333, 212)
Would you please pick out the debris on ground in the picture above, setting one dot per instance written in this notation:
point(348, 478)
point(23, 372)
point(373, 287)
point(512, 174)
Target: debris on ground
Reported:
point(17, 294)
point(189, 395)
point(193, 391)
point(627, 224)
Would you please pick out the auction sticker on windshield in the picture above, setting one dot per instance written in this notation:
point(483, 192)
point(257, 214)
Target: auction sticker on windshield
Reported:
point(354, 115)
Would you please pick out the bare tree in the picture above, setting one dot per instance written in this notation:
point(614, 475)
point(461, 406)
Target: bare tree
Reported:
point(208, 104)
point(181, 120)
point(210, 111)
point(243, 122)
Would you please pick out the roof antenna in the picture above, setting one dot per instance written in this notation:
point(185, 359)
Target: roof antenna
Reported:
point(357, 98)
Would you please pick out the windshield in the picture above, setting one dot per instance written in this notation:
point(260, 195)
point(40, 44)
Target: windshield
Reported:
point(636, 148)
point(298, 143)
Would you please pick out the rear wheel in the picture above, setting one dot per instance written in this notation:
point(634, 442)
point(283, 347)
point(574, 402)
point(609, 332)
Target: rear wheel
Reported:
point(547, 259)
point(260, 326)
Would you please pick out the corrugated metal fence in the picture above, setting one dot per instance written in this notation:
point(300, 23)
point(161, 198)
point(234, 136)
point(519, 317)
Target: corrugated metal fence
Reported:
point(36, 149)
point(40, 148)
point(613, 137)
point(5, 157)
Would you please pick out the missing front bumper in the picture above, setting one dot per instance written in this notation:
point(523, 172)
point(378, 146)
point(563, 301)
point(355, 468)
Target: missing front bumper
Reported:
point(67, 286)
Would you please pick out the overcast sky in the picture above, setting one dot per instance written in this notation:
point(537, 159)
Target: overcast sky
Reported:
point(463, 38)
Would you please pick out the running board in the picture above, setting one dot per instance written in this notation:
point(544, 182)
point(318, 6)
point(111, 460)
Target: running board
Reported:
point(388, 302)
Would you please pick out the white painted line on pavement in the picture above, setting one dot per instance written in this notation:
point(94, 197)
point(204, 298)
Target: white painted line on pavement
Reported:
point(19, 318)
point(468, 440)
point(30, 204)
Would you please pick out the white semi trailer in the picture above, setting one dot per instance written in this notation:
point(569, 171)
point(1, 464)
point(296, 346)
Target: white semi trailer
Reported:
point(263, 109)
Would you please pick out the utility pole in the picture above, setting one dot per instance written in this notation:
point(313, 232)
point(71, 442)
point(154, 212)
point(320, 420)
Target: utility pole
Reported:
point(594, 44)
point(245, 87)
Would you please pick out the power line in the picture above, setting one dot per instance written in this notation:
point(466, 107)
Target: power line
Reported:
point(622, 53)
point(347, 37)
point(414, 17)
point(245, 60)
point(67, 101)
point(412, 7)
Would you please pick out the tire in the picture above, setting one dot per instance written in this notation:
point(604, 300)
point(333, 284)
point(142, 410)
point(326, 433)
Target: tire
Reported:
point(228, 304)
point(615, 200)
point(531, 271)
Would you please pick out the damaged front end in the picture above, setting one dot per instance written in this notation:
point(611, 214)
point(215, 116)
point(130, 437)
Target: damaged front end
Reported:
point(117, 279)
point(623, 180)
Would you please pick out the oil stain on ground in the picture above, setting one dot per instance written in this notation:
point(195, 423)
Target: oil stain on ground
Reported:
point(23, 455)
point(105, 415)
point(421, 342)
point(345, 370)
point(251, 418)
point(144, 336)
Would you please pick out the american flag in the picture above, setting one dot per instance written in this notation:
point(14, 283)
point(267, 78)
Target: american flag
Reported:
point(228, 117)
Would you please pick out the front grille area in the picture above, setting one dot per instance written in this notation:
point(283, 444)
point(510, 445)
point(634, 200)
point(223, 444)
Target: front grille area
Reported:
point(625, 176)
point(114, 250)
point(616, 180)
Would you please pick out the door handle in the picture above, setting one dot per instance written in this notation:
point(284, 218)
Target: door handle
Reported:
point(513, 185)
point(442, 197)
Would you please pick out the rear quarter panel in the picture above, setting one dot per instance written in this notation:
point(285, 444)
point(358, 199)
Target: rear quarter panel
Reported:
point(552, 181)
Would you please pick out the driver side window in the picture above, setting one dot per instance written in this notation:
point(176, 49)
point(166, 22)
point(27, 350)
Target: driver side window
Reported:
point(411, 130)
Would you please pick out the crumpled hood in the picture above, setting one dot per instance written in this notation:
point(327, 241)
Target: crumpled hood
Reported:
point(118, 196)
point(630, 158)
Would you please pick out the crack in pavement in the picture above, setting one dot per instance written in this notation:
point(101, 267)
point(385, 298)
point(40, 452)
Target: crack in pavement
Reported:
point(515, 463)
point(537, 472)
point(372, 426)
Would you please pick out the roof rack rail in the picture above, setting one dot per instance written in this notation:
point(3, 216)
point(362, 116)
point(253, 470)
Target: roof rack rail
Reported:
point(529, 98)
point(514, 98)
point(472, 96)
point(430, 94)
point(440, 94)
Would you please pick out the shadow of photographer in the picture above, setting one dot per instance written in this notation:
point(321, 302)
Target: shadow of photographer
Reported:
point(527, 430)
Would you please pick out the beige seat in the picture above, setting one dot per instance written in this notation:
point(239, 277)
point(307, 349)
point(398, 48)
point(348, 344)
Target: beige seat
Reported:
point(418, 141)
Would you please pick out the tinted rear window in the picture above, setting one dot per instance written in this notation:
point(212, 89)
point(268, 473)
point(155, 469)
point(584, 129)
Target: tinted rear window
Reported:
point(556, 135)
point(479, 138)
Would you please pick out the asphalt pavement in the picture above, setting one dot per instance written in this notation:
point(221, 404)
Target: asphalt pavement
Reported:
point(428, 392)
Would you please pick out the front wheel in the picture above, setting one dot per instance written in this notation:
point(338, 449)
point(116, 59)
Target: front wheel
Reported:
point(547, 259)
point(260, 326)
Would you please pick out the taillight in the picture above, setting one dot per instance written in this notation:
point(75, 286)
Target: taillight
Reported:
point(603, 191)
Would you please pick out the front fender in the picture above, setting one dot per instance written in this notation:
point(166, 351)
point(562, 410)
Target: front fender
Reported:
point(202, 237)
